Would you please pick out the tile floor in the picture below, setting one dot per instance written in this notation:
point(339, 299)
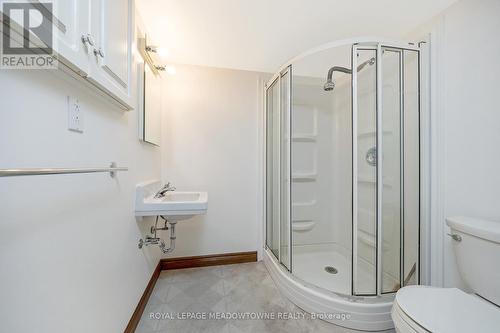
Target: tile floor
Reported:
point(241, 288)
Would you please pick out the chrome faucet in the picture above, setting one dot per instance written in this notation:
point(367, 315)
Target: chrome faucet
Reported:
point(166, 188)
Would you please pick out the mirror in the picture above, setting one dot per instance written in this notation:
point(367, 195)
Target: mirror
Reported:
point(149, 98)
point(151, 107)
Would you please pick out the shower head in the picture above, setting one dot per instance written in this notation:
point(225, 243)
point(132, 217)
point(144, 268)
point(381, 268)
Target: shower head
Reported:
point(329, 85)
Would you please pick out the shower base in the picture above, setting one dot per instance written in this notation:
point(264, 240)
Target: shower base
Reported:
point(309, 262)
point(314, 296)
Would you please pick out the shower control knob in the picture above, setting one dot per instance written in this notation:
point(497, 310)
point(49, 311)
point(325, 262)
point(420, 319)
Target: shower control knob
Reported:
point(371, 156)
point(141, 244)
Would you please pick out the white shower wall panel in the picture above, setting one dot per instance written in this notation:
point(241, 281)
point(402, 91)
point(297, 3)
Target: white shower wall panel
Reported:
point(342, 163)
point(312, 163)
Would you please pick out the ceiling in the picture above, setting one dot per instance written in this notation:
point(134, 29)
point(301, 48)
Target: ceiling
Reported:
point(261, 35)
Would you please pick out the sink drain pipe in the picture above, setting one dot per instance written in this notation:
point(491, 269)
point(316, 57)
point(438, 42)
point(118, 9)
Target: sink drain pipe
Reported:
point(171, 248)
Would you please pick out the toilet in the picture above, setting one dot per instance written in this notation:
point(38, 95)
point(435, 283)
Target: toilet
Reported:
point(476, 246)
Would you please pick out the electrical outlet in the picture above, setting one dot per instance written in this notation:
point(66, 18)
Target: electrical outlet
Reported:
point(75, 115)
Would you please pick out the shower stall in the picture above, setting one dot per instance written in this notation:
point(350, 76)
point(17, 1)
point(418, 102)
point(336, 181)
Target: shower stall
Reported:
point(342, 184)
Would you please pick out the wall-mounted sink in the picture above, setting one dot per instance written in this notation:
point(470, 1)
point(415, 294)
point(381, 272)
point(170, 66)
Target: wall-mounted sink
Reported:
point(174, 205)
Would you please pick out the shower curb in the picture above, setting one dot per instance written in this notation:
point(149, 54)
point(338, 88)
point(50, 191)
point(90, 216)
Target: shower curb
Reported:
point(364, 315)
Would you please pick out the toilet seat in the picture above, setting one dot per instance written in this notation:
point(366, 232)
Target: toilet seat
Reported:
point(443, 310)
point(403, 323)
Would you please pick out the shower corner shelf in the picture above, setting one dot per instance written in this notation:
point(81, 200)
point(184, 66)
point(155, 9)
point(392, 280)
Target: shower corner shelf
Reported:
point(304, 138)
point(369, 134)
point(304, 177)
point(301, 226)
point(368, 180)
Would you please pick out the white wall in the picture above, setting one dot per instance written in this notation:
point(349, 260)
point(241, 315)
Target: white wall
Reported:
point(211, 142)
point(471, 114)
point(69, 260)
point(467, 119)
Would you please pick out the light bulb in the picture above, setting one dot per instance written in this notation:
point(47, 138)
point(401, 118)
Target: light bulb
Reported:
point(162, 52)
point(171, 70)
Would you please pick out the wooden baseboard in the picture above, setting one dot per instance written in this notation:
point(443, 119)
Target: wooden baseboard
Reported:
point(185, 262)
point(136, 316)
point(208, 260)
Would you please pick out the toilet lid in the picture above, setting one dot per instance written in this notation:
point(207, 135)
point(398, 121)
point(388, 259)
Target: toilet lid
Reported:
point(446, 310)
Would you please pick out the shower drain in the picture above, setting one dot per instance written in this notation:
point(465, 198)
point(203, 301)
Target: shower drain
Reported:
point(331, 270)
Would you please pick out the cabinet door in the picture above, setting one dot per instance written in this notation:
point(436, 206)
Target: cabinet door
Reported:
point(71, 22)
point(111, 22)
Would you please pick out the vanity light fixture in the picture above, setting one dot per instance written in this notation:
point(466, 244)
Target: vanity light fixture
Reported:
point(152, 54)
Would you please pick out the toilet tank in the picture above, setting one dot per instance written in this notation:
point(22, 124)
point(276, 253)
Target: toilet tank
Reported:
point(476, 245)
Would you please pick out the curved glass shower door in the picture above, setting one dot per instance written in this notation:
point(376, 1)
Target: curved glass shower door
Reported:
point(273, 168)
point(285, 207)
point(364, 143)
point(321, 170)
point(385, 169)
point(343, 168)
point(278, 237)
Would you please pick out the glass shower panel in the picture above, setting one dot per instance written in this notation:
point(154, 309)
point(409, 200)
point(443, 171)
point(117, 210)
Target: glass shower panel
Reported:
point(391, 170)
point(364, 172)
point(285, 240)
point(273, 168)
point(411, 160)
point(321, 169)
